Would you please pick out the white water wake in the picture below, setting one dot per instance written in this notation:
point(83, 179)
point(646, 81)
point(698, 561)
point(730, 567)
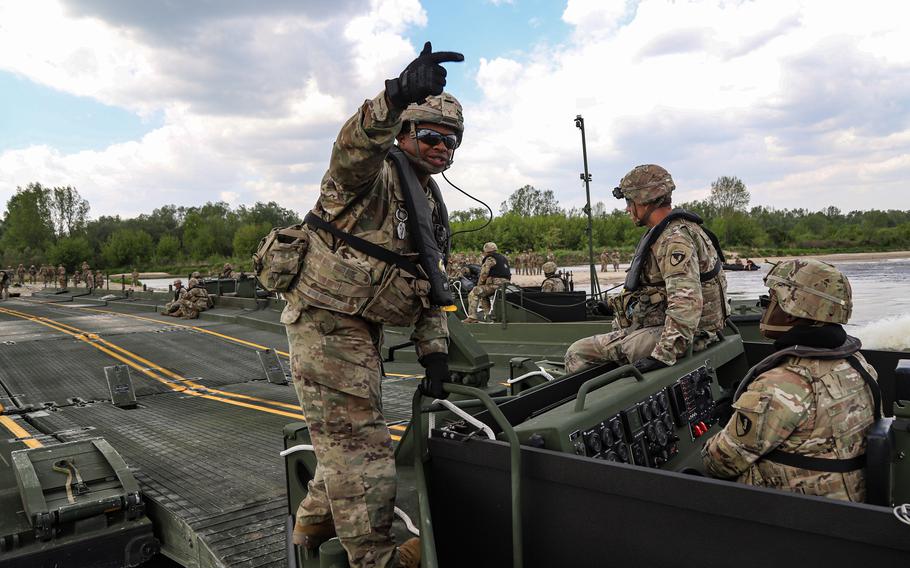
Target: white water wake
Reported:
point(890, 334)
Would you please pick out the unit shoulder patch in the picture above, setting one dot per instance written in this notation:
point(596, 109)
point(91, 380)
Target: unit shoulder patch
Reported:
point(743, 424)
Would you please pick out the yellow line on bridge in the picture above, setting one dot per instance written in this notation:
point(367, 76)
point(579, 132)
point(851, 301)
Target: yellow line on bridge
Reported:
point(209, 332)
point(191, 387)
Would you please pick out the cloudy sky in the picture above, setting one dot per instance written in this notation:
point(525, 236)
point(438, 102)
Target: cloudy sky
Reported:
point(139, 104)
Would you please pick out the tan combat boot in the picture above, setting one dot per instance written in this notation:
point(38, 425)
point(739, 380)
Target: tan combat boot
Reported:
point(409, 553)
point(311, 536)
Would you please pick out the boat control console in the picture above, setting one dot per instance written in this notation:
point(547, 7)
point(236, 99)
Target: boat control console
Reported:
point(648, 432)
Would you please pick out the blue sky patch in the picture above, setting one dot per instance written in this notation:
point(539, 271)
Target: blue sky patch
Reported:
point(34, 114)
point(480, 28)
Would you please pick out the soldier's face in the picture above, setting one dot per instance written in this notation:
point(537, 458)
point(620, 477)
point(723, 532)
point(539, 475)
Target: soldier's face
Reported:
point(437, 156)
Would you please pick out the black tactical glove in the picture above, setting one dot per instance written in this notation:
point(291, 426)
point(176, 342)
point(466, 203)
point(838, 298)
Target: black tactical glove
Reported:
point(422, 78)
point(649, 363)
point(437, 366)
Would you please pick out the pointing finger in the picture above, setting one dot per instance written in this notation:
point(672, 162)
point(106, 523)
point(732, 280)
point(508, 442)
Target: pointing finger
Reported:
point(446, 56)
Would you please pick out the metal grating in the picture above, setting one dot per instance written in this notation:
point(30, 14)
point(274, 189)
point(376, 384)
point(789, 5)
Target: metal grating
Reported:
point(57, 370)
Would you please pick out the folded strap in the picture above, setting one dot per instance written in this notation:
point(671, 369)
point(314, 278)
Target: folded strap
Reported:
point(364, 246)
point(817, 464)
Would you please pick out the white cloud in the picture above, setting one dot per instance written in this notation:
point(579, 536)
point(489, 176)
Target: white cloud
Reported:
point(808, 102)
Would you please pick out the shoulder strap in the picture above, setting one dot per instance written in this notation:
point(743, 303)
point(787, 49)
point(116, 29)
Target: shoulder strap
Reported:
point(643, 250)
point(362, 245)
point(834, 465)
point(870, 382)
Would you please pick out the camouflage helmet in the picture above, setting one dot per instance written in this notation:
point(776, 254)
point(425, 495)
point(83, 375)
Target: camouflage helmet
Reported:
point(195, 274)
point(193, 283)
point(490, 247)
point(441, 109)
point(645, 184)
point(811, 289)
point(549, 267)
point(178, 282)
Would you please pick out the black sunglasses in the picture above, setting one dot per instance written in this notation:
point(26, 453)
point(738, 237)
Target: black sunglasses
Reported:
point(432, 138)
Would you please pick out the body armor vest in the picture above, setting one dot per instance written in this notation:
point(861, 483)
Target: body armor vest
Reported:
point(501, 270)
point(831, 394)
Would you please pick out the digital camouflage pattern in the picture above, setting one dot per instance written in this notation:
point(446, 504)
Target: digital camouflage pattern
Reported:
point(646, 184)
point(358, 167)
point(479, 296)
point(336, 367)
point(811, 289)
point(553, 284)
point(194, 301)
point(335, 361)
point(672, 299)
point(812, 407)
point(441, 109)
point(179, 294)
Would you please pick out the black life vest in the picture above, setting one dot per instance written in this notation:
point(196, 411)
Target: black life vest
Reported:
point(501, 269)
point(643, 250)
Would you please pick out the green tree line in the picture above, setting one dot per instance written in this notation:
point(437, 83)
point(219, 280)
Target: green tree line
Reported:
point(755, 230)
point(43, 224)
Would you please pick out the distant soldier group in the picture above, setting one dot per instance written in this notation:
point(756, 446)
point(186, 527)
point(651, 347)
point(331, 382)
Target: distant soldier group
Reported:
point(55, 276)
point(607, 258)
point(530, 262)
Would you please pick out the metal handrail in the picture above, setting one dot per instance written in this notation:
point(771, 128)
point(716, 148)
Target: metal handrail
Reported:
point(428, 538)
point(604, 380)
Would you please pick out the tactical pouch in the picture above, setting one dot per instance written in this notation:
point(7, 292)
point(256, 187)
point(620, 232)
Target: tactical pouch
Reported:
point(329, 281)
point(399, 299)
point(279, 256)
point(620, 303)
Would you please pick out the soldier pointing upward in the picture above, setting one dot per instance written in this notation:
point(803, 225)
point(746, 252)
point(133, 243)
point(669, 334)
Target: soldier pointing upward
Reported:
point(378, 220)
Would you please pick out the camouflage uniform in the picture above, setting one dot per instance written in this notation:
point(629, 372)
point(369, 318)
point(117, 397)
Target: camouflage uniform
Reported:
point(89, 279)
point(486, 285)
point(614, 258)
point(227, 271)
point(179, 294)
point(604, 260)
point(194, 301)
point(552, 283)
point(671, 309)
point(61, 276)
point(5, 277)
point(335, 360)
point(77, 278)
point(819, 408)
point(99, 279)
point(33, 274)
point(20, 272)
point(135, 276)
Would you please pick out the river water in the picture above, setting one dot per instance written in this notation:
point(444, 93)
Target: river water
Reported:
point(881, 297)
